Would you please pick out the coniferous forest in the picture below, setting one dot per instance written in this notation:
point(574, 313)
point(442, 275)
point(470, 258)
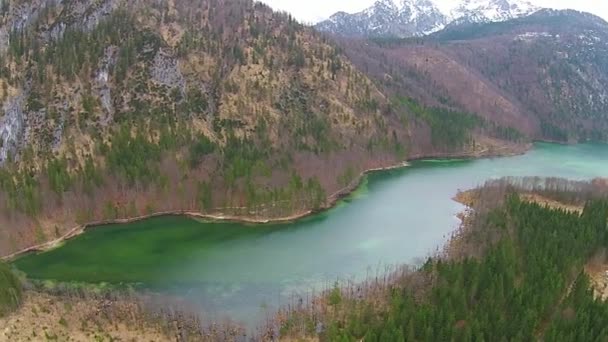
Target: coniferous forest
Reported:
point(229, 110)
point(526, 284)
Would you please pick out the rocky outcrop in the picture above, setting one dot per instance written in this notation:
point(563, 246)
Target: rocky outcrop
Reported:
point(19, 16)
point(541, 74)
point(103, 86)
point(12, 127)
point(165, 71)
point(84, 15)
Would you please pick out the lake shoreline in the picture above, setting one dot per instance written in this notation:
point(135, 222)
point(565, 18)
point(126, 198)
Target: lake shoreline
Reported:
point(331, 201)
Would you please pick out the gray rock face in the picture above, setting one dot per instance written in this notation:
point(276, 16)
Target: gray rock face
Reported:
point(89, 19)
point(84, 15)
point(17, 123)
point(59, 128)
point(12, 127)
point(165, 71)
point(102, 85)
point(21, 16)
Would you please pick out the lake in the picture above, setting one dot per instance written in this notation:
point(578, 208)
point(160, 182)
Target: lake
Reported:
point(244, 271)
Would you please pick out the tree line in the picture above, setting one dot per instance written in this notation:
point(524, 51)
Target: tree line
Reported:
point(528, 284)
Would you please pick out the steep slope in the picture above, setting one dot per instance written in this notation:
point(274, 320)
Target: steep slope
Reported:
point(542, 75)
point(118, 109)
point(416, 18)
point(554, 62)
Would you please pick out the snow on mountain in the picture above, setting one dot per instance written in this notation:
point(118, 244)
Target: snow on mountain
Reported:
point(492, 10)
point(388, 18)
point(412, 18)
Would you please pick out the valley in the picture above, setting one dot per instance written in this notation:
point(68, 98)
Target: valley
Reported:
point(111, 144)
point(244, 272)
point(141, 124)
point(215, 170)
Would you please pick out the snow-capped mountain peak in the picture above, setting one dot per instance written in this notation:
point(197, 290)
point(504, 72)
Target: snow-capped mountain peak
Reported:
point(388, 18)
point(492, 10)
point(407, 18)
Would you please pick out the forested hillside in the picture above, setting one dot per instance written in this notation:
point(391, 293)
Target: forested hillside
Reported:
point(118, 109)
point(515, 272)
point(542, 75)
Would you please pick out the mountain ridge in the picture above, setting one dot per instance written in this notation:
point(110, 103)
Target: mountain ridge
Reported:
point(542, 73)
point(492, 10)
point(386, 17)
point(416, 18)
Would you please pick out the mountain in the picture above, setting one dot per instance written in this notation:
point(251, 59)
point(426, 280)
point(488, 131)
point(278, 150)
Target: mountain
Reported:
point(553, 62)
point(415, 18)
point(388, 18)
point(122, 109)
point(483, 11)
point(543, 75)
point(116, 109)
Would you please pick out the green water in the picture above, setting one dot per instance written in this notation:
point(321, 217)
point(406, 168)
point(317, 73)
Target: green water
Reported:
point(243, 271)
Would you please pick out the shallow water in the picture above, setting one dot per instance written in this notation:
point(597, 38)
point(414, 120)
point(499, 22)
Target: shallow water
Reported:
point(243, 271)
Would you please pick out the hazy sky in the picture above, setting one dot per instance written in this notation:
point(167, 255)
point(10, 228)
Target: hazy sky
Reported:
point(311, 11)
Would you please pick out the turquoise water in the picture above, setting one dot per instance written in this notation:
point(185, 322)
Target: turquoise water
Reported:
point(243, 271)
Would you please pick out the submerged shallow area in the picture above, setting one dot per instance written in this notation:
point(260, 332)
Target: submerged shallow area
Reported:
point(242, 271)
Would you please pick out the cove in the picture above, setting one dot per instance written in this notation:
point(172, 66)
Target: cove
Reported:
point(244, 271)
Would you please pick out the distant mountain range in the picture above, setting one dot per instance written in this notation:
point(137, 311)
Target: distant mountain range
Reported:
point(544, 74)
point(415, 18)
